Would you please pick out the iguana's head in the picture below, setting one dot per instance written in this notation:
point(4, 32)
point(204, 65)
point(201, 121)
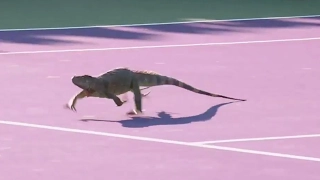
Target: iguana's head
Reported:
point(85, 82)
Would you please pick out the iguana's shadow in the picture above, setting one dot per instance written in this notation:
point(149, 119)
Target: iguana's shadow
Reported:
point(164, 119)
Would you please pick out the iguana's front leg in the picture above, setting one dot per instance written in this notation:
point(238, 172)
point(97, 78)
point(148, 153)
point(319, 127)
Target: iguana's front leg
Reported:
point(73, 101)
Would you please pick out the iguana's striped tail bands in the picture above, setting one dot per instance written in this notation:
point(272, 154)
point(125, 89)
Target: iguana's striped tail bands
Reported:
point(149, 79)
point(175, 82)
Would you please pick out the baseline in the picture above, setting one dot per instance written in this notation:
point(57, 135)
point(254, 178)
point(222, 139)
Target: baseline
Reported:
point(161, 141)
point(162, 46)
point(162, 23)
point(258, 139)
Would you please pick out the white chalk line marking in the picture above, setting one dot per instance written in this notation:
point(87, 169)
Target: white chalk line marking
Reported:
point(158, 24)
point(259, 139)
point(161, 141)
point(163, 46)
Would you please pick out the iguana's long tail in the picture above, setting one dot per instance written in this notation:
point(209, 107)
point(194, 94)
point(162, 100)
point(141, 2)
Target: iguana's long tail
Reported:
point(178, 83)
point(147, 78)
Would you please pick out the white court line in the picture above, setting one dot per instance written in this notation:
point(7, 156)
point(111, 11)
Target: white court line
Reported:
point(259, 139)
point(160, 141)
point(158, 24)
point(162, 46)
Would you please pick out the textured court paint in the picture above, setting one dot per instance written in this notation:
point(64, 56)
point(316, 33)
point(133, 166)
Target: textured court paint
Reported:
point(259, 139)
point(158, 24)
point(161, 46)
point(300, 146)
point(211, 116)
point(160, 36)
point(273, 76)
point(162, 141)
point(62, 155)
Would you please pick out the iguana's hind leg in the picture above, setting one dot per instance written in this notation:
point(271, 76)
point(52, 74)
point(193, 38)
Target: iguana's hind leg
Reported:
point(125, 95)
point(115, 99)
point(137, 97)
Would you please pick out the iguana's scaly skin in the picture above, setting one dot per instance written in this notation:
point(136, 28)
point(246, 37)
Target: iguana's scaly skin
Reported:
point(122, 80)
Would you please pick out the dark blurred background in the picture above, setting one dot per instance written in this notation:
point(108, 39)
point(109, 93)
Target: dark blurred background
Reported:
point(57, 13)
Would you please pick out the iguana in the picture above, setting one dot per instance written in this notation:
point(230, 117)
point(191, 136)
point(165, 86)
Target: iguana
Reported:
point(122, 80)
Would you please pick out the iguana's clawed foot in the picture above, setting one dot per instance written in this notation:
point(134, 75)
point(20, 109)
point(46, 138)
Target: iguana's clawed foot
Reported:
point(134, 112)
point(121, 102)
point(71, 106)
point(144, 95)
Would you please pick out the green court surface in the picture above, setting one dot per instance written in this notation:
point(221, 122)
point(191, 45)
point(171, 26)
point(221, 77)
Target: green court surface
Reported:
point(62, 13)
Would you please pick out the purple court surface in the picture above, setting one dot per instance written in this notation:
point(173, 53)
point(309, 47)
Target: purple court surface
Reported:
point(273, 63)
